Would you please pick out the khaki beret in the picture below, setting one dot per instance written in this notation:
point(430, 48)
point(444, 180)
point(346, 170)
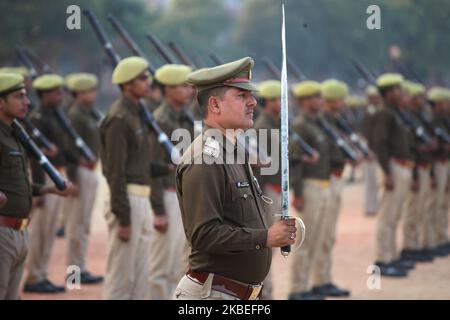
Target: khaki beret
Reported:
point(48, 82)
point(10, 82)
point(128, 69)
point(355, 101)
point(77, 82)
point(333, 89)
point(17, 70)
point(438, 94)
point(172, 74)
point(389, 80)
point(306, 88)
point(413, 89)
point(371, 90)
point(236, 74)
point(269, 89)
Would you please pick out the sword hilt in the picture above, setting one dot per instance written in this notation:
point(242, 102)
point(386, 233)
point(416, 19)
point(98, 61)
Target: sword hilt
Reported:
point(286, 250)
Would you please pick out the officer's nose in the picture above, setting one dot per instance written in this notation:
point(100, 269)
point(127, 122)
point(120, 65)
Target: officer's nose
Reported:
point(252, 102)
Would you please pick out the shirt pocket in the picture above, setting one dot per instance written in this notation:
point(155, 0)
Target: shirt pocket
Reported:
point(244, 206)
point(11, 160)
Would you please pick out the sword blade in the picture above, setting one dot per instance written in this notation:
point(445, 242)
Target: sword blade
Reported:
point(284, 132)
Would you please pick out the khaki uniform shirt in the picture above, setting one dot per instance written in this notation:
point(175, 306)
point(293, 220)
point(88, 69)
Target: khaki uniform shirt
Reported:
point(126, 145)
point(223, 213)
point(14, 177)
point(390, 137)
point(85, 124)
point(307, 127)
point(169, 119)
point(268, 122)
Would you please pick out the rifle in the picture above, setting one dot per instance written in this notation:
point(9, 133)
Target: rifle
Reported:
point(133, 46)
point(31, 128)
point(436, 129)
point(181, 55)
point(34, 150)
point(215, 58)
point(296, 70)
point(348, 151)
point(43, 66)
point(310, 151)
point(82, 147)
point(418, 130)
point(147, 117)
point(354, 137)
point(367, 76)
point(162, 50)
point(271, 67)
point(413, 125)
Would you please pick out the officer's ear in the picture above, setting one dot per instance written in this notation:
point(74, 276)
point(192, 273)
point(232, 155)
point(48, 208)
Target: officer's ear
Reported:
point(2, 102)
point(213, 105)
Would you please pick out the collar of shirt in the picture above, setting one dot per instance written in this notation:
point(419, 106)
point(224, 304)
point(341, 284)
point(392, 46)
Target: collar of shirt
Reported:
point(273, 122)
point(5, 129)
point(129, 105)
point(173, 114)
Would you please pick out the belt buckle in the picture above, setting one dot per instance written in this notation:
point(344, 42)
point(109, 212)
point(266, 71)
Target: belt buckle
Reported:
point(23, 224)
point(255, 292)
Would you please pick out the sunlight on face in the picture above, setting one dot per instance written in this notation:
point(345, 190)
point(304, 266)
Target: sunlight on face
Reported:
point(237, 108)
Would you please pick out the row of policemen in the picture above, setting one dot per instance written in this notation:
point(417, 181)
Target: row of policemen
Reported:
point(316, 182)
point(412, 188)
point(16, 188)
point(200, 224)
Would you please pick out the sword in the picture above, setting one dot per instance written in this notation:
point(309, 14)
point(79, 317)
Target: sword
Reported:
point(284, 131)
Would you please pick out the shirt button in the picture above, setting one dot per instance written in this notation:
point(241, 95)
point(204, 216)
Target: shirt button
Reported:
point(258, 247)
point(245, 196)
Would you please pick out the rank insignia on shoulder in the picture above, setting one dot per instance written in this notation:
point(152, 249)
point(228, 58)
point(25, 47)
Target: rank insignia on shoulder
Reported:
point(242, 184)
point(211, 147)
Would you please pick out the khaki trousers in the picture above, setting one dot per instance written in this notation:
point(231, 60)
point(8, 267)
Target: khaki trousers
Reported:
point(188, 289)
point(79, 215)
point(128, 262)
point(370, 187)
point(42, 235)
point(441, 204)
point(13, 252)
point(274, 209)
point(316, 201)
point(392, 203)
point(170, 252)
point(417, 211)
point(321, 271)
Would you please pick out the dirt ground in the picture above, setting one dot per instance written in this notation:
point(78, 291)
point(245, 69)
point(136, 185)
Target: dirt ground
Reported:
point(353, 254)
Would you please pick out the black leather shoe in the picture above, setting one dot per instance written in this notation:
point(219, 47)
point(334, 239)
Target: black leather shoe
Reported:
point(43, 286)
point(403, 263)
point(306, 295)
point(436, 252)
point(330, 290)
point(57, 288)
point(389, 270)
point(416, 255)
point(88, 278)
point(445, 247)
point(60, 233)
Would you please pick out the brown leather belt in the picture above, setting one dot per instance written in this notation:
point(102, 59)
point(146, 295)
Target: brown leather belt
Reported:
point(226, 285)
point(404, 163)
point(337, 173)
point(14, 223)
point(424, 165)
